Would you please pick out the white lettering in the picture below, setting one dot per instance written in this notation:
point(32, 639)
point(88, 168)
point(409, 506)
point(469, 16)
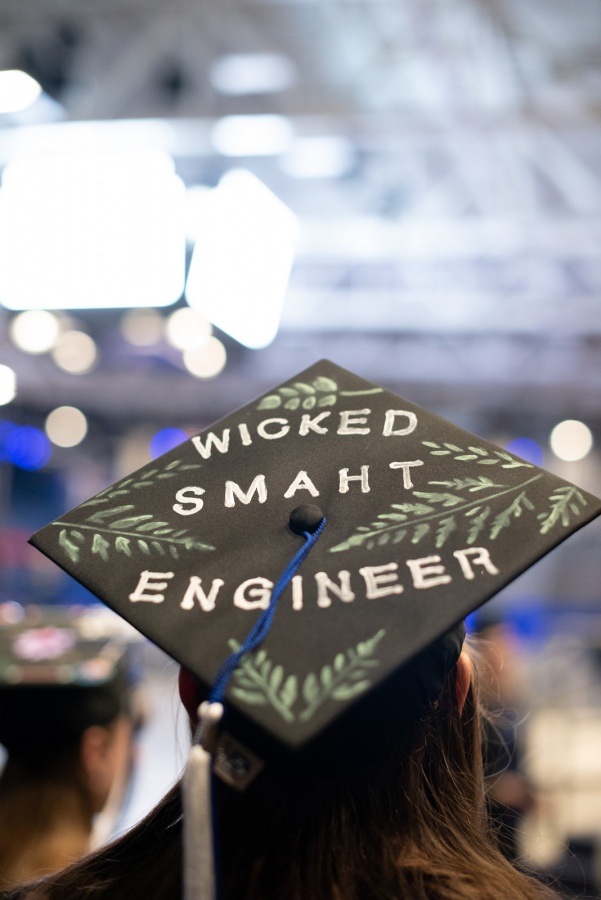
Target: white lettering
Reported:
point(389, 422)
point(352, 417)
point(194, 592)
point(261, 591)
point(312, 424)
point(406, 466)
point(244, 434)
point(221, 444)
point(194, 503)
point(148, 582)
point(276, 434)
point(343, 590)
point(297, 592)
point(481, 558)
point(345, 478)
point(302, 482)
point(426, 573)
point(258, 487)
point(375, 576)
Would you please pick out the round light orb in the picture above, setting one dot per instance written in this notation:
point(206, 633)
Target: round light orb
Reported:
point(571, 440)
point(206, 361)
point(66, 426)
point(18, 90)
point(28, 448)
point(34, 331)
point(75, 352)
point(142, 327)
point(526, 449)
point(166, 439)
point(187, 330)
point(8, 385)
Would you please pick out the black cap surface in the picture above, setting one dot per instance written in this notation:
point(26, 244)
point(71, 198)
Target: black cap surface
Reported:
point(424, 523)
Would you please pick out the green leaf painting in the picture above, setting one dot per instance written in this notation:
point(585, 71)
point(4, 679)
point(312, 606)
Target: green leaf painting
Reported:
point(564, 502)
point(110, 531)
point(475, 507)
point(147, 478)
point(477, 455)
point(258, 682)
point(319, 394)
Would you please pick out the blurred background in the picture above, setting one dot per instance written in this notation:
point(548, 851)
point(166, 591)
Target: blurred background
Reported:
point(200, 200)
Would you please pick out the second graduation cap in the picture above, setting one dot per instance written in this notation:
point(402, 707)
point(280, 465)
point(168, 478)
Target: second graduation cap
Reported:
point(424, 523)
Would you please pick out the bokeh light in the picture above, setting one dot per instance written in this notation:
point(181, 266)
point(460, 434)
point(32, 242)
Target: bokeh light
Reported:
point(26, 447)
point(526, 449)
point(75, 352)
point(66, 426)
point(8, 385)
point(18, 90)
point(571, 440)
point(34, 331)
point(142, 327)
point(166, 440)
point(186, 329)
point(206, 361)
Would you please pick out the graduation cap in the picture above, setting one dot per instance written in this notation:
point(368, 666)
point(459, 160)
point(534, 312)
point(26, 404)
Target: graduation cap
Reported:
point(424, 522)
point(61, 670)
point(310, 560)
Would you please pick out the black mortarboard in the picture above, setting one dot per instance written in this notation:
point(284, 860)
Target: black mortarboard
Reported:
point(61, 670)
point(424, 523)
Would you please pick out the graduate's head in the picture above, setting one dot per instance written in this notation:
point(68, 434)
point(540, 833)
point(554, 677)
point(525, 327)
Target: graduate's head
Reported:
point(310, 561)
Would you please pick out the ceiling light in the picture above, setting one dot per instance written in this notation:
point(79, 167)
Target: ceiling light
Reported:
point(319, 157)
point(66, 426)
point(571, 440)
point(253, 73)
point(18, 90)
point(34, 331)
point(75, 352)
point(206, 361)
point(142, 327)
point(242, 260)
point(8, 385)
point(187, 329)
point(261, 135)
point(92, 230)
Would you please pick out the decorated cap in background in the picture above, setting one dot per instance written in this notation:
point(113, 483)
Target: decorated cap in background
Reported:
point(424, 523)
point(61, 669)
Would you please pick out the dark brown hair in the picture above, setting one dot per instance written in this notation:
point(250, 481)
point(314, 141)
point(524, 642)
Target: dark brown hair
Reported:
point(407, 822)
point(46, 805)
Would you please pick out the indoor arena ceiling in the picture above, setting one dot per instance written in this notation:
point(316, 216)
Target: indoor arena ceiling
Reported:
point(456, 244)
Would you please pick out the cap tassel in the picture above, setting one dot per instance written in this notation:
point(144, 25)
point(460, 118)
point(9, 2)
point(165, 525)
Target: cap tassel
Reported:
point(200, 868)
point(200, 875)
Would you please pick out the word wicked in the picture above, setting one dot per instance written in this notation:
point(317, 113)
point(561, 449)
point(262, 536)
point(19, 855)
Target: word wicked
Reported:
point(350, 422)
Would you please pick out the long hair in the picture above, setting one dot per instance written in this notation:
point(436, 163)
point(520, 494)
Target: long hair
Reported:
point(408, 822)
point(46, 803)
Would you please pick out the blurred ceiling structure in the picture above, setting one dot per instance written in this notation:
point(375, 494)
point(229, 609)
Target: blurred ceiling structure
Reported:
point(451, 253)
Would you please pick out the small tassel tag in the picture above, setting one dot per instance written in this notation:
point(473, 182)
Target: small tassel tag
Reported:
point(200, 879)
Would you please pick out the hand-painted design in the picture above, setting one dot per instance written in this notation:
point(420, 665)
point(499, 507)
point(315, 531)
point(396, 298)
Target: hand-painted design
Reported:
point(565, 501)
point(481, 456)
point(125, 534)
point(142, 479)
point(449, 511)
point(320, 393)
point(344, 679)
point(259, 682)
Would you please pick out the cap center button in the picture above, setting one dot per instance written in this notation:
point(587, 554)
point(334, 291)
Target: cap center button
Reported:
point(306, 518)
